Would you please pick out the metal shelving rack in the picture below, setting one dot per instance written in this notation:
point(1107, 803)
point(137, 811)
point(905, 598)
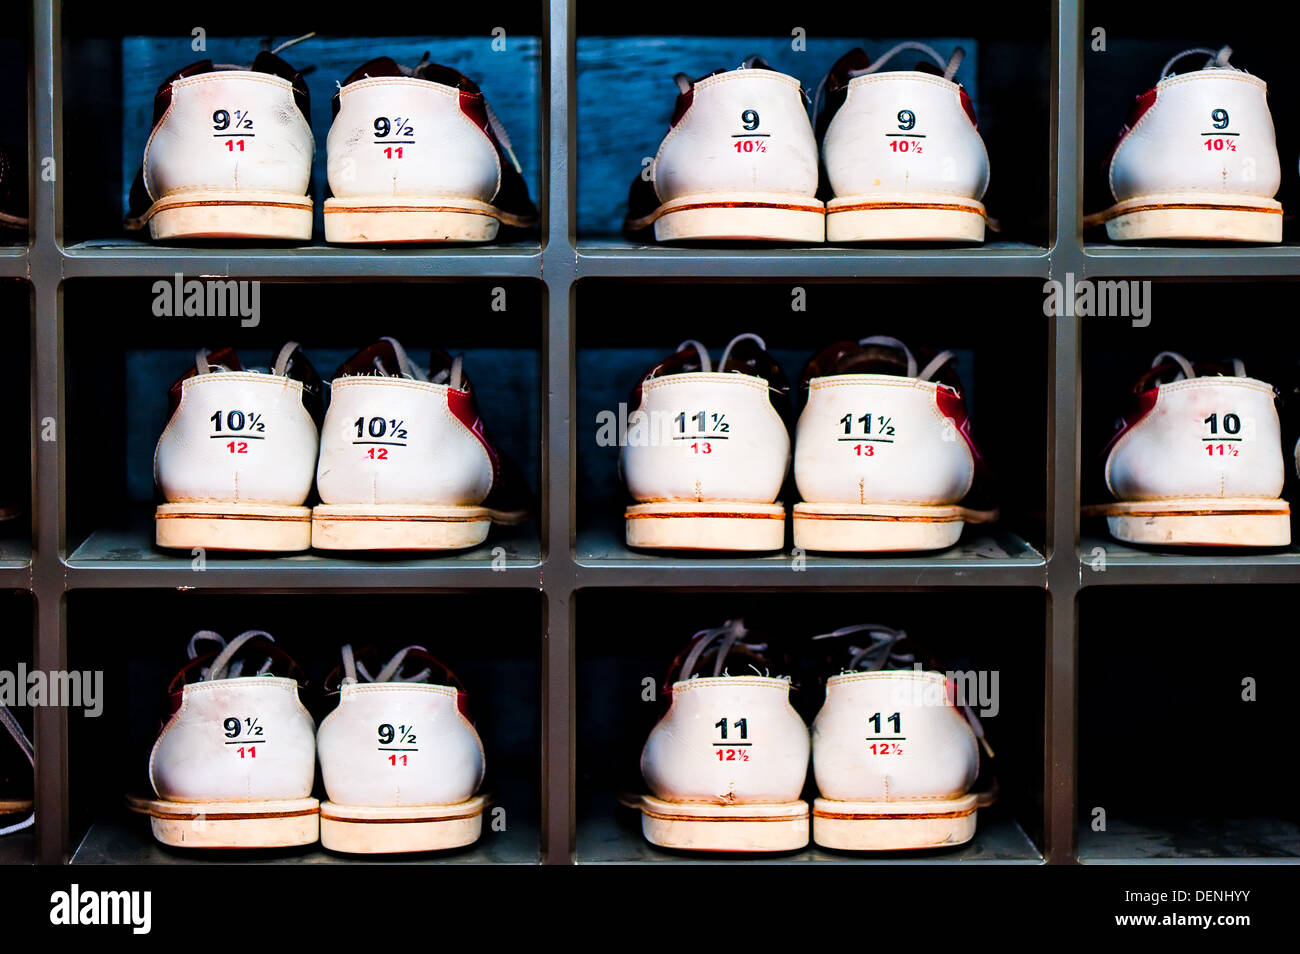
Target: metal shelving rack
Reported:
point(562, 260)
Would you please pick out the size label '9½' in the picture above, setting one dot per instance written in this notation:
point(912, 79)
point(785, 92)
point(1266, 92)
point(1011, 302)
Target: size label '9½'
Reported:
point(393, 135)
point(232, 128)
point(397, 741)
point(243, 736)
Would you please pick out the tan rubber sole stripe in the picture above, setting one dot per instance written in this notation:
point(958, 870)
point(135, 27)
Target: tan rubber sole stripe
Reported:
point(1100, 218)
point(939, 206)
point(723, 818)
point(852, 816)
point(225, 816)
point(230, 516)
point(398, 821)
point(718, 515)
point(876, 517)
point(696, 206)
point(1198, 513)
point(480, 519)
point(155, 208)
point(503, 217)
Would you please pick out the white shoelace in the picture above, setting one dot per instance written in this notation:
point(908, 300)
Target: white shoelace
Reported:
point(281, 366)
point(354, 672)
point(706, 363)
point(275, 52)
point(20, 737)
point(726, 636)
point(950, 67)
point(1218, 59)
point(937, 362)
point(1187, 372)
point(502, 136)
point(222, 667)
point(733, 342)
point(406, 368)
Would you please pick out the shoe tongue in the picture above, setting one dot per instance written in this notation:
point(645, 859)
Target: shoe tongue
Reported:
point(445, 76)
point(444, 369)
point(384, 358)
point(270, 63)
point(1169, 371)
point(194, 69)
point(847, 66)
point(223, 359)
point(748, 357)
point(925, 66)
point(414, 664)
point(379, 66)
point(849, 357)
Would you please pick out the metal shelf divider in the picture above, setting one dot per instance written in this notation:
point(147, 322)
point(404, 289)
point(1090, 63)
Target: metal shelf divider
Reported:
point(560, 263)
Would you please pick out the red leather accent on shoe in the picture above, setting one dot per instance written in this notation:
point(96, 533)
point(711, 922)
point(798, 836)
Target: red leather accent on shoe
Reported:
point(462, 703)
point(463, 406)
point(684, 101)
point(952, 406)
point(967, 105)
point(1146, 402)
point(1141, 105)
point(471, 104)
point(512, 195)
